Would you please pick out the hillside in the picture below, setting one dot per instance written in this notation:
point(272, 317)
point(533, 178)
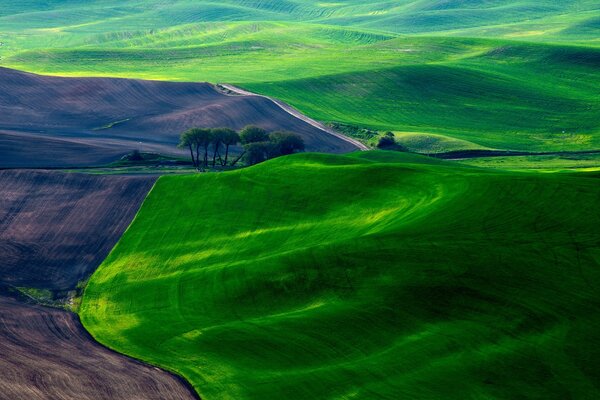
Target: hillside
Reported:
point(522, 18)
point(528, 81)
point(46, 354)
point(53, 121)
point(463, 265)
point(373, 276)
point(56, 228)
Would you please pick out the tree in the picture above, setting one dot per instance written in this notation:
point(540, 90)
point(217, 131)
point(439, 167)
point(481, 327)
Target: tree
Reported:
point(229, 137)
point(216, 140)
point(284, 143)
point(253, 134)
point(257, 152)
point(203, 138)
point(387, 141)
point(187, 140)
point(194, 139)
point(226, 137)
point(256, 144)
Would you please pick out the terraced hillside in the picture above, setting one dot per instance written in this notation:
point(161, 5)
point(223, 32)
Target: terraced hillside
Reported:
point(50, 121)
point(528, 82)
point(55, 229)
point(376, 275)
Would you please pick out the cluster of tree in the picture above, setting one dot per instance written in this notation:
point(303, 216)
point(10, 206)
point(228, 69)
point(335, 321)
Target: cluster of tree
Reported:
point(200, 140)
point(258, 144)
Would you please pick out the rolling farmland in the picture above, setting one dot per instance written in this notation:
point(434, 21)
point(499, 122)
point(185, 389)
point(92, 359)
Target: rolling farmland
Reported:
point(54, 231)
point(488, 75)
point(46, 354)
point(461, 263)
point(83, 122)
point(321, 277)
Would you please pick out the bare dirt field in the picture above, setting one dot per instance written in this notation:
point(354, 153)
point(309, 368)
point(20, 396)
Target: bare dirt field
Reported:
point(56, 228)
point(54, 121)
point(46, 354)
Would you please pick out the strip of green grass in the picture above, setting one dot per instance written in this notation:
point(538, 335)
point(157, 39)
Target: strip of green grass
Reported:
point(378, 275)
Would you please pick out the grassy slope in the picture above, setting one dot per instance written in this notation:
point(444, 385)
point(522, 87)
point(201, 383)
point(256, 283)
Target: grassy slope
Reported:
point(492, 93)
point(372, 276)
point(344, 62)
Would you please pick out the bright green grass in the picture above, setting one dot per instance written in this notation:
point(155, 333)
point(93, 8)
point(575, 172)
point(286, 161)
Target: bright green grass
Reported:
point(346, 61)
point(546, 162)
point(573, 19)
point(376, 275)
point(490, 93)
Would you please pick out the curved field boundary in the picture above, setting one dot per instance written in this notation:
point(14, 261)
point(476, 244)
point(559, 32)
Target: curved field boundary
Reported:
point(295, 113)
point(46, 354)
point(56, 228)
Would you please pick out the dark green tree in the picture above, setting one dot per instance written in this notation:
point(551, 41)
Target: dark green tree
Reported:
point(387, 141)
point(216, 141)
point(186, 140)
point(203, 139)
point(284, 143)
point(229, 137)
point(195, 139)
point(257, 152)
point(253, 134)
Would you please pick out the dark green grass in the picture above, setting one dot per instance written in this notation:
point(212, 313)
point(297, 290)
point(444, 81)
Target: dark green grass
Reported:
point(379, 275)
point(563, 162)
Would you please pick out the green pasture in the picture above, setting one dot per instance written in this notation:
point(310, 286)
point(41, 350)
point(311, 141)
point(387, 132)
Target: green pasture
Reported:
point(374, 275)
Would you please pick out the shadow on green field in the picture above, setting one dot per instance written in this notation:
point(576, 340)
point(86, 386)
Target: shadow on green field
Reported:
point(378, 275)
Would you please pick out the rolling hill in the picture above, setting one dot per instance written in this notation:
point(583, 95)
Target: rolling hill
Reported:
point(52, 121)
point(46, 354)
point(56, 228)
point(370, 275)
point(528, 81)
point(377, 275)
point(476, 17)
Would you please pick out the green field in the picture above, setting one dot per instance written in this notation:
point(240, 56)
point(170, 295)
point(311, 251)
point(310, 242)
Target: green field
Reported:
point(518, 75)
point(375, 275)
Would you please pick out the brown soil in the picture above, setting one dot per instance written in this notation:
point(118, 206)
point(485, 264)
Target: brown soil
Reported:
point(46, 354)
point(56, 228)
point(53, 121)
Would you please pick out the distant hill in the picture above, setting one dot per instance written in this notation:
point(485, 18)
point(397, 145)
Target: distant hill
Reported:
point(478, 17)
point(518, 75)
